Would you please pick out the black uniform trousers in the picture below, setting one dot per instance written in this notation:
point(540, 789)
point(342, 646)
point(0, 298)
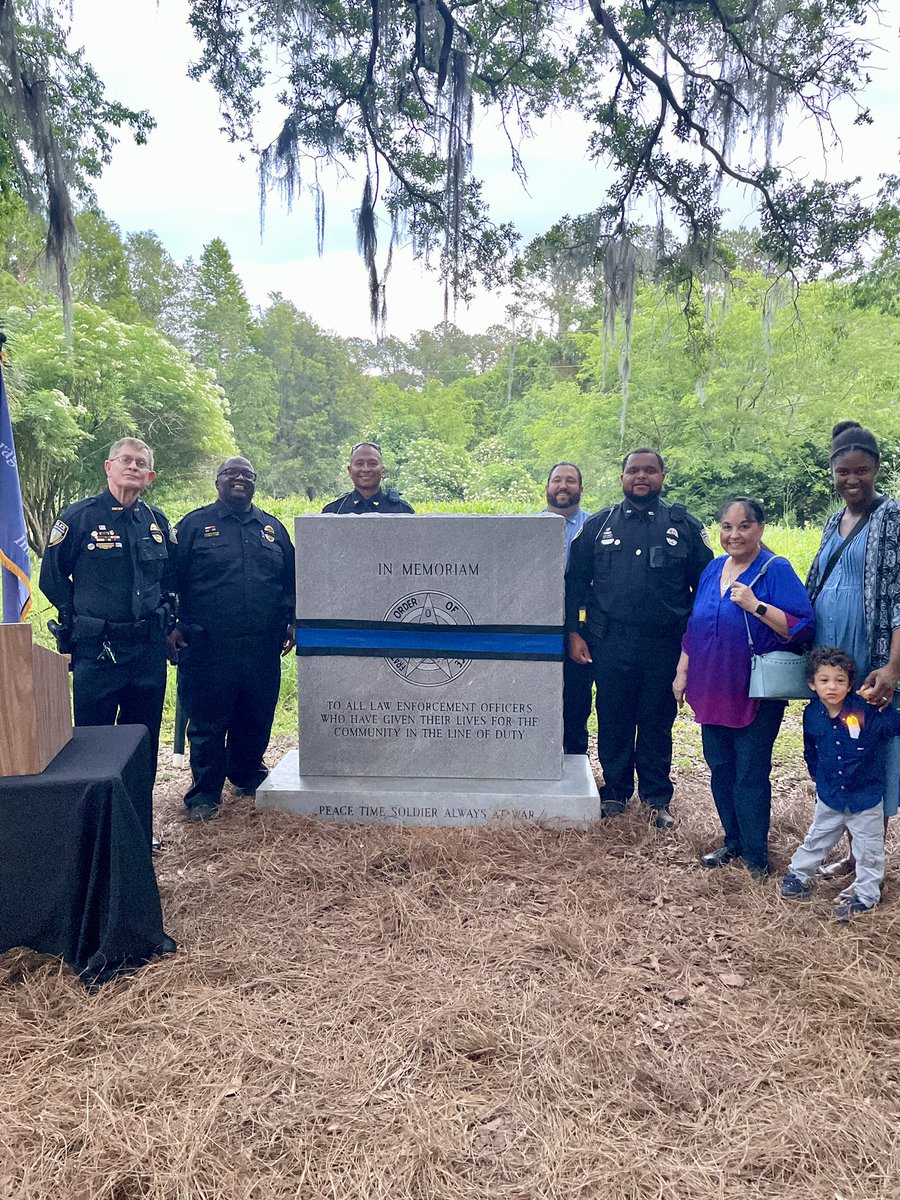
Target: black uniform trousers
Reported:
point(578, 692)
point(129, 691)
point(634, 668)
point(228, 688)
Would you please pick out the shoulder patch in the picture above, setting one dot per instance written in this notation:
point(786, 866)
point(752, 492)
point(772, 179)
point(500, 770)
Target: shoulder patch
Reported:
point(58, 533)
point(704, 536)
point(173, 536)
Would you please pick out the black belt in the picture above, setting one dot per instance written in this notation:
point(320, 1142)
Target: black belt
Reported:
point(89, 629)
point(143, 628)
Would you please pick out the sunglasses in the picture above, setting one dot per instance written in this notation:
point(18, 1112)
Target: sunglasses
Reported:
point(359, 445)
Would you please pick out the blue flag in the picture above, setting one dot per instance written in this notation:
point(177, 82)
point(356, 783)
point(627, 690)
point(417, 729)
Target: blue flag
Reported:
point(15, 566)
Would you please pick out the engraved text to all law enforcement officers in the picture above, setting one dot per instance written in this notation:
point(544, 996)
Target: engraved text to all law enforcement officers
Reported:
point(235, 570)
point(635, 568)
point(108, 570)
point(366, 470)
point(564, 488)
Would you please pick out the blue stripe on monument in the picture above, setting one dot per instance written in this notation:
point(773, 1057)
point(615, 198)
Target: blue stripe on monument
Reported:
point(427, 641)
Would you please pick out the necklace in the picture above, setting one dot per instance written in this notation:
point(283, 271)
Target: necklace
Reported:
point(728, 580)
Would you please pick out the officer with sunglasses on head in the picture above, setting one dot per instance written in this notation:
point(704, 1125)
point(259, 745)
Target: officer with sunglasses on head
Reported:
point(366, 469)
point(235, 572)
point(108, 570)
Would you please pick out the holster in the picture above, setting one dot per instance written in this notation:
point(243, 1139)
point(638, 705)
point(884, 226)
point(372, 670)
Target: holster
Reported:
point(62, 635)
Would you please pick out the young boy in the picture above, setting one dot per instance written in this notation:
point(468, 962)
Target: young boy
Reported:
point(843, 744)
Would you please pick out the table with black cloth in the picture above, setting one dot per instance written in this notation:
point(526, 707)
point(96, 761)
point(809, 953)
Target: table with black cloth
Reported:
point(76, 874)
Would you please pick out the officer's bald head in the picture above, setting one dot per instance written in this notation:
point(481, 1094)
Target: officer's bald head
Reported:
point(236, 482)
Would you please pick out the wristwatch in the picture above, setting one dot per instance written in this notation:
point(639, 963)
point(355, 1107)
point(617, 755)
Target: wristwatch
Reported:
point(761, 610)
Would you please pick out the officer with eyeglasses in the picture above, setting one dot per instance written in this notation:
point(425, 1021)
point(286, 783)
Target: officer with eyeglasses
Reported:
point(366, 470)
point(235, 574)
point(108, 570)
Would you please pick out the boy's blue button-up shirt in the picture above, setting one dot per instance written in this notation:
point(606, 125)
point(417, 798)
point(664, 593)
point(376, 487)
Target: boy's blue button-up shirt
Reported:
point(845, 754)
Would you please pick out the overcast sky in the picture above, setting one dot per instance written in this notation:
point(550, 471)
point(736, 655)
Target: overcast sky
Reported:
point(189, 185)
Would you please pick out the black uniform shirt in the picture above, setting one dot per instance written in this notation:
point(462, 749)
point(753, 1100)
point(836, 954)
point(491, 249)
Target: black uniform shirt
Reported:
point(381, 502)
point(636, 567)
point(106, 561)
point(235, 571)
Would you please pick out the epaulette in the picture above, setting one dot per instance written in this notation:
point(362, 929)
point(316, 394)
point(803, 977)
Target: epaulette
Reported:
point(678, 512)
point(78, 505)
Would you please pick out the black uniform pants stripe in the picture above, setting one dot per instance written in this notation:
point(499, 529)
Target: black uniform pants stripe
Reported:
point(636, 709)
point(129, 691)
point(228, 688)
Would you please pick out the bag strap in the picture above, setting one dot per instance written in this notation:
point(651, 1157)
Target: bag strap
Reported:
point(836, 556)
point(751, 586)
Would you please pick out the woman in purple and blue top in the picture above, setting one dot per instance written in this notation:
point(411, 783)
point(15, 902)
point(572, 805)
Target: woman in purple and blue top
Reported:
point(714, 674)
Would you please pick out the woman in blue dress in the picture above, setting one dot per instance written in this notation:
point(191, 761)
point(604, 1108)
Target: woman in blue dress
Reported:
point(854, 584)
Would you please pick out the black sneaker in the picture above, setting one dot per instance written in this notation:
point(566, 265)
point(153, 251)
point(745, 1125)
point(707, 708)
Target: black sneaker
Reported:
point(612, 808)
point(756, 871)
point(201, 813)
point(719, 858)
point(848, 908)
point(663, 819)
point(792, 887)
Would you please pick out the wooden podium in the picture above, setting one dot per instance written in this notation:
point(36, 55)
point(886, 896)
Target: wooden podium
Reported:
point(35, 703)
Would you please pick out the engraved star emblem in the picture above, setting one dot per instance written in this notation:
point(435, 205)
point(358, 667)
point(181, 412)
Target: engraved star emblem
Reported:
point(426, 616)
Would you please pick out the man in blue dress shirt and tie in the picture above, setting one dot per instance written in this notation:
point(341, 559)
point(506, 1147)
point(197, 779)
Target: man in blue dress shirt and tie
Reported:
point(564, 488)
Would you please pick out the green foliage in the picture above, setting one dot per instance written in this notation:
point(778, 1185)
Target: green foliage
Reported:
point(744, 403)
point(323, 400)
point(101, 275)
point(154, 278)
point(434, 471)
point(444, 414)
point(220, 310)
point(70, 401)
point(249, 382)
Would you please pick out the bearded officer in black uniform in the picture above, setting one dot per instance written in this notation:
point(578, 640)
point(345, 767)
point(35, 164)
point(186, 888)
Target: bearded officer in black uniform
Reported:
point(235, 573)
point(366, 469)
point(635, 568)
point(108, 570)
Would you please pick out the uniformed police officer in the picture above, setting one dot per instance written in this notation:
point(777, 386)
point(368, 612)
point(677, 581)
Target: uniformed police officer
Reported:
point(366, 469)
point(235, 572)
point(635, 567)
point(108, 570)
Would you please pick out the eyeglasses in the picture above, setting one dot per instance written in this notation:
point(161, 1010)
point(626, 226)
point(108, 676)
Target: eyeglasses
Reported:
point(238, 473)
point(359, 445)
point(127, 461)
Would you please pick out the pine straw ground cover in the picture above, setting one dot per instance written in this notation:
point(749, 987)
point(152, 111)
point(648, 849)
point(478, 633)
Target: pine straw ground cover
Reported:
point(373, 1013)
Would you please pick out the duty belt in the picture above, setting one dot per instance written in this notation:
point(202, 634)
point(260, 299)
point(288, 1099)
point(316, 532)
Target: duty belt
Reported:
point(95, 628)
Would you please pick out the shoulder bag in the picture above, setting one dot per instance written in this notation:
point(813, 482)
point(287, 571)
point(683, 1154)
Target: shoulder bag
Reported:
point(780, 674)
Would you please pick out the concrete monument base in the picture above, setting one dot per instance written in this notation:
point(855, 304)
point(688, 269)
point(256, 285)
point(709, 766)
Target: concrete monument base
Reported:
point(569, 802)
